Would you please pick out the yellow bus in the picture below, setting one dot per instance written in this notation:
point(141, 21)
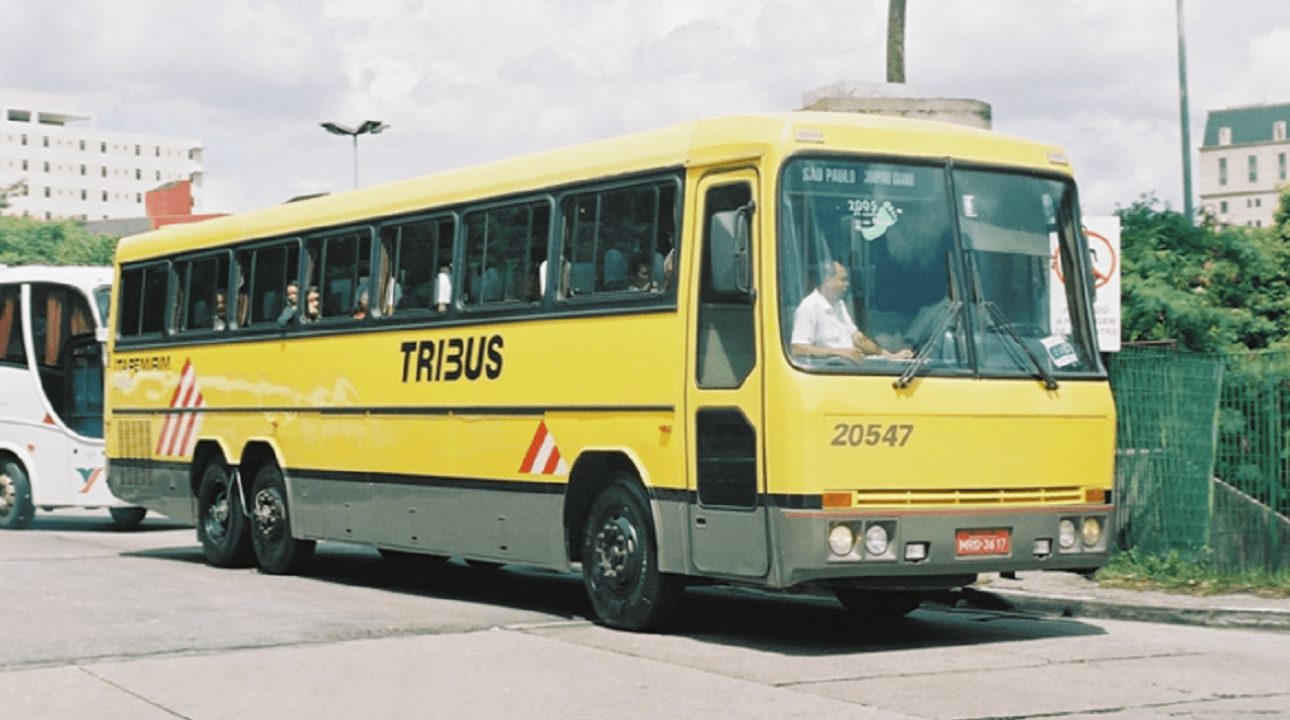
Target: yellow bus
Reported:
point(810, 351)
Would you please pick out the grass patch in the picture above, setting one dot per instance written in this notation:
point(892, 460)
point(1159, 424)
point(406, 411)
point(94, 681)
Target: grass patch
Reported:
point(1174, 573)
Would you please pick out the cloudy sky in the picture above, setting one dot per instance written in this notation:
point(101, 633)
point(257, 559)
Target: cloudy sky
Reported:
point(473, 80)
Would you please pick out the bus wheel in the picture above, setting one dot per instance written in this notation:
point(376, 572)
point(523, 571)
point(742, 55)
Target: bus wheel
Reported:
point(221, 524)
point(127, 518)
point(16, 510)
point(620, 562)
point(878, 604)
point(277, 551)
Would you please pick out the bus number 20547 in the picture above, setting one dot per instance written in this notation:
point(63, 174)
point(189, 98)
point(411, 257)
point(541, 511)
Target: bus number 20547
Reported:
point(855, 435)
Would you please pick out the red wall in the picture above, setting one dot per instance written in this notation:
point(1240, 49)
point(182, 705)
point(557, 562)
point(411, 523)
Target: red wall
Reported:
point(172, 204)
point(174, 198)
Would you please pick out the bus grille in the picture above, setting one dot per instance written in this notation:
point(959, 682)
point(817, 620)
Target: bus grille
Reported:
point(994, 496)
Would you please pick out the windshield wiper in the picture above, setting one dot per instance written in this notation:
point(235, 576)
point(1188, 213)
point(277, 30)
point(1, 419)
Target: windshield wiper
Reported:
point(1001, 320)
point(943, 320)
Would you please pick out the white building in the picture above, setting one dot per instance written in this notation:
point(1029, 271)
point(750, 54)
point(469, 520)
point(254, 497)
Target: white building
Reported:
point(71, 169)
point(1243, 163)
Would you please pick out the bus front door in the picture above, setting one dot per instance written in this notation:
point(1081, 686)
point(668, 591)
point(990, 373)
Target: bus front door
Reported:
point(727, 517)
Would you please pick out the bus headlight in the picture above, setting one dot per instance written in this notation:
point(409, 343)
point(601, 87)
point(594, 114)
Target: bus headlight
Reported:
point(841, 539)
point(875, 540)
point(1066, 534)
point(1091, 533)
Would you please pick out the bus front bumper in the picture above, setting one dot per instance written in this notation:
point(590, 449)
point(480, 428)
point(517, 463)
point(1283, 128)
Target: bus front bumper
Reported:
point(912, 548)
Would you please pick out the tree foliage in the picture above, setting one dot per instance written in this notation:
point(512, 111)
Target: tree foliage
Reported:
point(1210, 288)
point(26, 241)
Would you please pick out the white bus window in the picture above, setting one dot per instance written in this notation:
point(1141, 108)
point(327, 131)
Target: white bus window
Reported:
point(58, 313)
point(12, 349)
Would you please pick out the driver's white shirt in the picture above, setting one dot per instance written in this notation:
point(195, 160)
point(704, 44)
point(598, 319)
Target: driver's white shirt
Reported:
point(821, 324)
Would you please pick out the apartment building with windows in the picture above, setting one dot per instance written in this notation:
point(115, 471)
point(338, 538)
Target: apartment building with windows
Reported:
point(1243, 163)
point(63, 167)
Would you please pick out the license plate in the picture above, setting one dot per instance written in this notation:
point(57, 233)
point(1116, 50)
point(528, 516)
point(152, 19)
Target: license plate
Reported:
point(982, 542)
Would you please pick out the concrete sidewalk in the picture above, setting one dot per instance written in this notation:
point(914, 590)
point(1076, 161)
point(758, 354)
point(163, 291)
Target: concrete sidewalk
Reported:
point(1071, 595)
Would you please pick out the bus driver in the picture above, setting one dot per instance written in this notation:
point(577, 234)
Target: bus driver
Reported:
point(822, 327)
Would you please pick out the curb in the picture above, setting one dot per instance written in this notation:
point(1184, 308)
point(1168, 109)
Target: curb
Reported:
point(1074, 606)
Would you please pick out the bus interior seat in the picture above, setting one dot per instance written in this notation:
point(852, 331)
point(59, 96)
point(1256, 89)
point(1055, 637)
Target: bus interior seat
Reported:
point(615, 276)
point(492, 285)
point(582, 278)
point(271, 306)
point(201, 319)
point(339, 298)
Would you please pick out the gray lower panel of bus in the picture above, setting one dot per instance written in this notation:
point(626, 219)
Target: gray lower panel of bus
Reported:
point(502, 526)
point(162, 488)
point(515, 524)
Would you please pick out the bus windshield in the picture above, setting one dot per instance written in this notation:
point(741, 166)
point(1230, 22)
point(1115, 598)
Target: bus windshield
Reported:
point(904, 269)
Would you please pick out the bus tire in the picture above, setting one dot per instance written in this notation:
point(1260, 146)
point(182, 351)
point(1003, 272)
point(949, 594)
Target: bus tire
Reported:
point(620, 562)
point(221, 524)
point(16, 510)
point(127, 518)
point(277, 552)
point(878, 604)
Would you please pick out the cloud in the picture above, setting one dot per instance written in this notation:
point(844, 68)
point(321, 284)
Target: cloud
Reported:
point(463, 83)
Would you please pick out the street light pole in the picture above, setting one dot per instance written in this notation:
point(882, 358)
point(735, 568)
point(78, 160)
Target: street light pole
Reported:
point(1186, 118)
point(369, 127)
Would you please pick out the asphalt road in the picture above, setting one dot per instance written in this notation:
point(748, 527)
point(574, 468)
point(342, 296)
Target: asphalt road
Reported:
point(104, 624)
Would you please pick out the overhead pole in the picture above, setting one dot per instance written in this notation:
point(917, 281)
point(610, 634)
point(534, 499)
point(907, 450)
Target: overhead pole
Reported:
point(1186, 117)
point(896, 41)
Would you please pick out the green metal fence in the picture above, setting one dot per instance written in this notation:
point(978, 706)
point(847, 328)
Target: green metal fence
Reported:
point(1203, 456)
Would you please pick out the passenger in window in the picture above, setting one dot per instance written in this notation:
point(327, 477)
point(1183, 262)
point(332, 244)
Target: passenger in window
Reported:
point(533, 288)
point(288, 314)
point(221, 309)
point(615, 270)
point(443, 287)
point(360, 312)
point(640, 277)
point(313, 305)
point(822, 326)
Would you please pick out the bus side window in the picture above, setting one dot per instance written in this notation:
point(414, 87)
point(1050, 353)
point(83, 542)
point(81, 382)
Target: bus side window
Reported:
point(505, 250)
point(179, 312)
point(142, 309)
point(240, 303)
point(416, 267)
point(619, 241)
point(203, 294)
point(271, 269)
point(339, 267)
point(12, 349)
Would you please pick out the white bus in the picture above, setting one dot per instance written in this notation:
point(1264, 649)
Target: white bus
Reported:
point(51, 393)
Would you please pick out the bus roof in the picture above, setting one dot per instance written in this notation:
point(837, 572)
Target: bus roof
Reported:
point(87, 278)
point(693, 143)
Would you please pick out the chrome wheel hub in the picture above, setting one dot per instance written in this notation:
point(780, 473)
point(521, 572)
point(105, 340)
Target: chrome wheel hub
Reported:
point(269, 512)
point(616, 553)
